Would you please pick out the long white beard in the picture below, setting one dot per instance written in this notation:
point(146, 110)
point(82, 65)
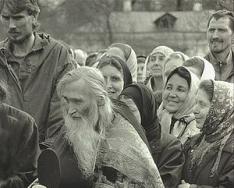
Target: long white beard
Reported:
point(85, 142)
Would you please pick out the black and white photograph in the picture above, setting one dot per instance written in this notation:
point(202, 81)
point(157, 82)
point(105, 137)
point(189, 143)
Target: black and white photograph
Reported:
point(116, 93)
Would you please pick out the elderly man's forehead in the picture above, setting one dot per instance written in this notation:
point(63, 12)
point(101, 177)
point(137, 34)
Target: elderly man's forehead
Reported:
point(77, 87)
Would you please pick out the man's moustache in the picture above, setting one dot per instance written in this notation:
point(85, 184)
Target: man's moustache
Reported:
point(12, 31)
point(216, 40)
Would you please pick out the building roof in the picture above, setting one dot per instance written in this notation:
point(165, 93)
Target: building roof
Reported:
point(188, 21)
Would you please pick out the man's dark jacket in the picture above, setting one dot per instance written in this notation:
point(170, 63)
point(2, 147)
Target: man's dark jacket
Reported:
point(19, 147)
point(32, 81)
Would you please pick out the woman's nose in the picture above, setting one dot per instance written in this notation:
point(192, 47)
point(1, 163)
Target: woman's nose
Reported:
point(108, 83)
point(172, 93)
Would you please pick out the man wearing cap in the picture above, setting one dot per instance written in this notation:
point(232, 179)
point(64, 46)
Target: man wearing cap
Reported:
point(219, 35)
point(31, 64)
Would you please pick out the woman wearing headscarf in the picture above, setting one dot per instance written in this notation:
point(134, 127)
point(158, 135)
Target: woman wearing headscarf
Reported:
point(165, 148)
point(154, 69)
point(176, 111)
point(117, 76)
point(127, 54)
point(201, 67)
point(210, 155)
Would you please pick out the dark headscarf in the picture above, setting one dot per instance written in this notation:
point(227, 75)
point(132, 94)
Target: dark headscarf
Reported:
point(106, 60)
point(129, 57)
point(146, 103)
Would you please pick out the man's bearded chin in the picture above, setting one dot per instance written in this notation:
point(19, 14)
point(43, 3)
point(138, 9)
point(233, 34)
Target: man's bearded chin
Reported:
point(85, 142)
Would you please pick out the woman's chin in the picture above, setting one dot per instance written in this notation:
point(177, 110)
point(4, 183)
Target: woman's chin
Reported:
point(171, 109)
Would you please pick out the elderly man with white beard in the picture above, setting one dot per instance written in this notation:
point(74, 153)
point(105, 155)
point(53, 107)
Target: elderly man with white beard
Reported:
point(97, 146)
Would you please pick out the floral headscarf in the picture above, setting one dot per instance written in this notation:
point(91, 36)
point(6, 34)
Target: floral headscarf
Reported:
point(219, 124)
point(220, 119)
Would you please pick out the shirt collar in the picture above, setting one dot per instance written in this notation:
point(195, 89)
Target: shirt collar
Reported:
point(228, 60)
point(40, 42)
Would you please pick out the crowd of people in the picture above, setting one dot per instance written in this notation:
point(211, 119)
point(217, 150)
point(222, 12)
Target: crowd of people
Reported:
point(114, 118)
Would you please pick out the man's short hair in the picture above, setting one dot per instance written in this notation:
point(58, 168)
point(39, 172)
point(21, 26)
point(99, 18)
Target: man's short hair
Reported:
point(223, 13)
point(16, 6)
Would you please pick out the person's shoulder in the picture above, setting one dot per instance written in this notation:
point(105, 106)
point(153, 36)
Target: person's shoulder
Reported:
point(48, 40)
point(15, 114)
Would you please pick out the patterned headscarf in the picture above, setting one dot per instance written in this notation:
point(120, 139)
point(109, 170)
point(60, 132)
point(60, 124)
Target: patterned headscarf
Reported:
point(219, 124)
point(220, 119)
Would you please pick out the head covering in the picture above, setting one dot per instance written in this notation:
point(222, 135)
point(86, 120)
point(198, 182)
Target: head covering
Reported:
point(147, 106)
point(185, 110)
point(106, 59)
point(127, 54)
point(91, 59)
point(80, 56)
point(187, 107)
point(176, 59)
point(220, 119)
point(219, 123)
point(166, 51)
point(204, 66)
point(162, 49)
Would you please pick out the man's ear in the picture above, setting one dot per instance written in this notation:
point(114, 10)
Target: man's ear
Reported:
point(101, 101)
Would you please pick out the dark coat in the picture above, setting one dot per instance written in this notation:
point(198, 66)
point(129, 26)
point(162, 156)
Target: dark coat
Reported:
point(32, 81)
point(201, 175)
point(169, 159)
point(71, 176)
point(19, 146)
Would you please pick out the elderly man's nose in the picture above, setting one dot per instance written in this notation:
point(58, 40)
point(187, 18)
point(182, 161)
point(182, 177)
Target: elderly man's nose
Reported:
point(72, 109)
point(12, 23)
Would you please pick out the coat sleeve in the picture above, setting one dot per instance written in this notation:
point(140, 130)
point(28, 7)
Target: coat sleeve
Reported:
point(55, 117)
point(29, 152)
point(170, 161)
point(22, 153)
point(226, 178)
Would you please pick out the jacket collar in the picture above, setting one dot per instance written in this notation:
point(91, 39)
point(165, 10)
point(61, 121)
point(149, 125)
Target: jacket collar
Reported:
point(40, 41)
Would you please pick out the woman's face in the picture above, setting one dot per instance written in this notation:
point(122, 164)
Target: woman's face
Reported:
point(114, 80)
point(175, 93)
point(201, 108)
point(155, 64)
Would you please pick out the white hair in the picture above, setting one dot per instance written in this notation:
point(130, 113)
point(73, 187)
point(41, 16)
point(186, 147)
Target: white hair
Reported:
point(95, 80)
